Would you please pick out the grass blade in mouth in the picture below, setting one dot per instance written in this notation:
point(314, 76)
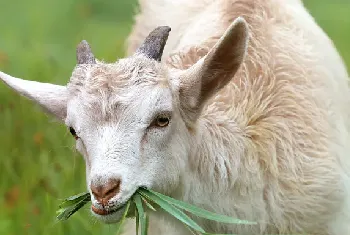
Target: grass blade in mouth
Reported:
point(145, 196)
point(72, 204)
point(178, 214)
point(146, 224)
point(123, 218)
point(141, 214)
point(198, 211)
point(148, 204)
point(71, 201)
point(137, 222)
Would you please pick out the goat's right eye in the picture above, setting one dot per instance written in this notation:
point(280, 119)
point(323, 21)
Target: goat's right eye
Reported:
point(74, 134)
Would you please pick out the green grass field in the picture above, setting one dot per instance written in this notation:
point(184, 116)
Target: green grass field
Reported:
point(38, 164)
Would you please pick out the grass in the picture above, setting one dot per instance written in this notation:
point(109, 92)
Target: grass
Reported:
point(142, 199)
point(37, 160)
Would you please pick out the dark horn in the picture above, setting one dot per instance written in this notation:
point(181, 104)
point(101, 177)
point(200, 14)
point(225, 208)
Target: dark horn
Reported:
point(84, 54)
point(154, 44)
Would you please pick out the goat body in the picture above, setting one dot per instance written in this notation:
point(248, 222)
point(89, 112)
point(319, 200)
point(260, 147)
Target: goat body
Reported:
point(273, 145)
point(242, 109)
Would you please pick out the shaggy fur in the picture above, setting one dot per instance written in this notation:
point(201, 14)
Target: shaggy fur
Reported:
point(273, 145)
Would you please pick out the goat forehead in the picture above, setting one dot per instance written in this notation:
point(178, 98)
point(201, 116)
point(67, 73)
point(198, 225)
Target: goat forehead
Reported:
point(123, 74)
point(102, 90)
point(112, 105)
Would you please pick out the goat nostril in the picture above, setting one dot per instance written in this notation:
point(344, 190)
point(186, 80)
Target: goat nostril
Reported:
point(111, 189)
point(96, 191)
point(103, 193)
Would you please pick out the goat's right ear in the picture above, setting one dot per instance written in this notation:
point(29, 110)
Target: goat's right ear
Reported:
point(53, 98)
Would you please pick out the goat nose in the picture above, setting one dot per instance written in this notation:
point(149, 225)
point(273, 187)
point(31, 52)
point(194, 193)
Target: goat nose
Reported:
point(103, 193)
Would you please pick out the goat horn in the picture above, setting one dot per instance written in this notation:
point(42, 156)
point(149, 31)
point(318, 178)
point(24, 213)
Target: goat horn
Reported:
point(154, 43)
point(84, 53)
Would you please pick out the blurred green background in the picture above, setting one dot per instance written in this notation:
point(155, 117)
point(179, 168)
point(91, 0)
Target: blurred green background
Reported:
point(38, 163)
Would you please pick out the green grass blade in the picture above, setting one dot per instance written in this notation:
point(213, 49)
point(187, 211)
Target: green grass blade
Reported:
point(73, 200)
point(171, 210)
point(132, 209)
point(142, 216)
point(78, 196)
point(148, 204)
point(146, 223)
point(137, 222)
point(65, 213)
point(123, 218)
point(201, 212)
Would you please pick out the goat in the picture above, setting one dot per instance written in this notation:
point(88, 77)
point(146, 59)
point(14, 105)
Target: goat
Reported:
point(243, 111)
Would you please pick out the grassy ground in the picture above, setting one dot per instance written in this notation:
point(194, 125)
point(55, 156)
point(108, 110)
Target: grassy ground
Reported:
point(38, 165)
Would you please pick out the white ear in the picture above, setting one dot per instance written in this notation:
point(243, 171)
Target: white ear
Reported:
point(53, 98)
point(215, 70)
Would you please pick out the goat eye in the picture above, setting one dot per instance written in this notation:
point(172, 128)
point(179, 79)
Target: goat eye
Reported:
point(162, 121)
point(72, 131)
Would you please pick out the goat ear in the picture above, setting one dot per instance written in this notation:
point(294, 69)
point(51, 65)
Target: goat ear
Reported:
point(53, 98)
point(216, 69)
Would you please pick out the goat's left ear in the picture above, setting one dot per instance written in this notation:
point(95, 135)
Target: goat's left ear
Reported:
point(215, 70)
point(53, 98)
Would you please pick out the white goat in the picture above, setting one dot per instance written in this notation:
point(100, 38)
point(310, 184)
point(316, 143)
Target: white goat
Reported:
point(245, 116)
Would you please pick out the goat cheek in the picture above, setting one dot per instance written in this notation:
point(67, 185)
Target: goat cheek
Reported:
point(87, 162)
point(81, 148)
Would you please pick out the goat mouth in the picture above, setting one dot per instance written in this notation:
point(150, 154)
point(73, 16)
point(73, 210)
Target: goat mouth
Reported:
point(107, 212)
point(103, 212)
